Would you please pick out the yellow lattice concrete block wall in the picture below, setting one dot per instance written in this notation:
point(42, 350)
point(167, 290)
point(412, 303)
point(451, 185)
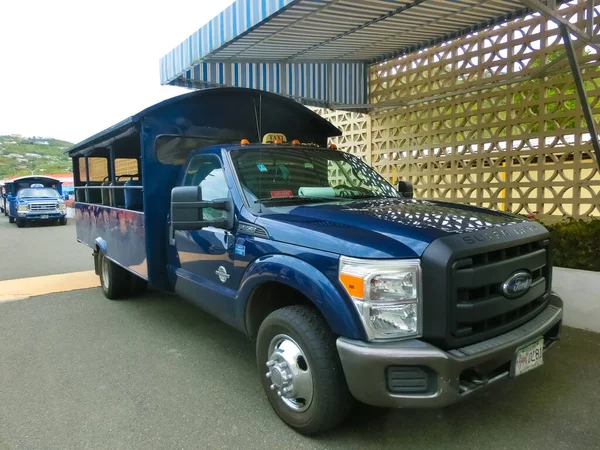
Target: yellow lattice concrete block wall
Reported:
point(521, 146)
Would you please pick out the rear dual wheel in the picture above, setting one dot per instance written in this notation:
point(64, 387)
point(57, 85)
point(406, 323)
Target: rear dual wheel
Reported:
point(117, 282)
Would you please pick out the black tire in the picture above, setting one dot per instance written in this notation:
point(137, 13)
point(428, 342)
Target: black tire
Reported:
point(20, 222)
point(11, 219)
point(137, 285)
point(114, 280)
point(62, 221)
point(331, 400)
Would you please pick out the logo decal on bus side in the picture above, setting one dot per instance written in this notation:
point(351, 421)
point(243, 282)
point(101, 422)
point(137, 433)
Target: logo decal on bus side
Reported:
point(222, 274)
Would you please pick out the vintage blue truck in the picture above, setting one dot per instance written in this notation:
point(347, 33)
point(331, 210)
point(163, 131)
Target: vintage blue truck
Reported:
point(35, 198)
point(351, 288)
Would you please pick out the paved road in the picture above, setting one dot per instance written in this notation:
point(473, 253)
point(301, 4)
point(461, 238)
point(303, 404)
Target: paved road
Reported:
point(40, 250)
point(79, 371)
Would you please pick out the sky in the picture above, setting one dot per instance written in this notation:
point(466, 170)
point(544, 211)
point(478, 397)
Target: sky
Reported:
point(71, 68)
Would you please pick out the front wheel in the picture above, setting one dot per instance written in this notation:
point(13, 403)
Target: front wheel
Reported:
point(300, 370)
point(62, 220)
point(113, 279)
point(20, 223)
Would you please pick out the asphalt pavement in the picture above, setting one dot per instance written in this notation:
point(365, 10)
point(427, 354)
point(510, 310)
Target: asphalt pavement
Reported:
point(78, 371)
point(41, 249)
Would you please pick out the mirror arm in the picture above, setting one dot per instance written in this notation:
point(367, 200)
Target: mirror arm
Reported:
point(202, 204)
point(196, 225)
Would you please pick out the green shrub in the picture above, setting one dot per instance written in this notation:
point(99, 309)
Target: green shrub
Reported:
point(576, 244)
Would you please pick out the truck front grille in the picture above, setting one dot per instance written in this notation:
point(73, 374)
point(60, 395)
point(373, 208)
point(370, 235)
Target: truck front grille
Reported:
point(479, 309)
point(42, 207)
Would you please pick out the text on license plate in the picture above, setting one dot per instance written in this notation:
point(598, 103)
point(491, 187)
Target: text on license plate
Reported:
point(45, 216)
point(529, 357)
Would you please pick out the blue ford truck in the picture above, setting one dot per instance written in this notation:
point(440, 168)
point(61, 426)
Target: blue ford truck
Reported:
point(35, 199)
point(350, 287)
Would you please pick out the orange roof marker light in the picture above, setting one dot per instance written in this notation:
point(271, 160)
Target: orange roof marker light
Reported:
point(245, 142)
point(277, 142)
point(333, 146)
point(295, 142)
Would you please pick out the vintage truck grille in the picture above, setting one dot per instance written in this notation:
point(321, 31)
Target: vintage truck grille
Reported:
point(478, 306)
point(42, 207)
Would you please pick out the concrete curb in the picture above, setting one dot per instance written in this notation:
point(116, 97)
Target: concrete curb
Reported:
point(580, 291)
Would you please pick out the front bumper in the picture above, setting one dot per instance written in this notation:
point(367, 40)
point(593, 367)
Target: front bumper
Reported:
point(448, 376)
point(50, 215)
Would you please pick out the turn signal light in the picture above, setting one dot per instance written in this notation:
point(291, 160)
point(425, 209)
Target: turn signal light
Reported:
point(244, 142)
point(354, 285)
point(333, 146)
point(277, 142)
point(295, 142)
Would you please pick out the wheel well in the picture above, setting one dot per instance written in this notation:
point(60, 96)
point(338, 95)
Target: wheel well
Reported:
point(267, 298)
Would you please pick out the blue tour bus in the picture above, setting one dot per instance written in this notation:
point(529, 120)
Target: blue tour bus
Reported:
point(351, 288)
point(35, 198)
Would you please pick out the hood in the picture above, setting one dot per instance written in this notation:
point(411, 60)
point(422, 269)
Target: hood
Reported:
point(380, 228)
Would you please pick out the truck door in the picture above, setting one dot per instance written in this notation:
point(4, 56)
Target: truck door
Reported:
point(206, 274)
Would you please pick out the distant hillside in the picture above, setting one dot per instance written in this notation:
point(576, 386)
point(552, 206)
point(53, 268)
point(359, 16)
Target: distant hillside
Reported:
point(20, 155)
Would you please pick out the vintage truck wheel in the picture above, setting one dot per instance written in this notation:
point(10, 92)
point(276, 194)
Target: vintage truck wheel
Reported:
point(20, 222)
point(11, 219)
point(300, 370)
point(114, 279)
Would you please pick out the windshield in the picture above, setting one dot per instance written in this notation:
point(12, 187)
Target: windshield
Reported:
point(38, 193)
point(306, 174)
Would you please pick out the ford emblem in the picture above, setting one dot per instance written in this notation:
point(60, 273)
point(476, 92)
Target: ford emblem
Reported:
point(517, 284)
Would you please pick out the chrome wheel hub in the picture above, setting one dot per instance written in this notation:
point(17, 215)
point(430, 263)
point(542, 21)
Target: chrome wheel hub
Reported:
point(105, 280)
point(290, 375)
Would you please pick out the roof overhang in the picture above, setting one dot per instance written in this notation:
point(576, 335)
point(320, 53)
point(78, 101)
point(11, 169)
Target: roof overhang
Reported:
point(318, 51)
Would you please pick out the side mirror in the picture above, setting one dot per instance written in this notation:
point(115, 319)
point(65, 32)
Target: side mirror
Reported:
point(405, 188)
point(187, 210)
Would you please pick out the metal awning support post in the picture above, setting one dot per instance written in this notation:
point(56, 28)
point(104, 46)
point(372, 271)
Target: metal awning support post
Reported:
point(579, 85)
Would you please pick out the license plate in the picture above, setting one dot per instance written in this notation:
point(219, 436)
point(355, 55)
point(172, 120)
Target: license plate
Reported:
point(45, 216)
point(528, 358)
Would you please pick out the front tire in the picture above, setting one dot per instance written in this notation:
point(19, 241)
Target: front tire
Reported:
point(300, 370)
point(20, 223)
point(62, 221)
point(113, 279)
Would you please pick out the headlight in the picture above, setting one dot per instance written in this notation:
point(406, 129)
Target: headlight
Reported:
point(62, 206)
point(387, 295)
point(22, 208)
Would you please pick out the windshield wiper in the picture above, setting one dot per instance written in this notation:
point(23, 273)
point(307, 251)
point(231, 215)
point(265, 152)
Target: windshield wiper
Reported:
point(361, 196)
point(296, 198)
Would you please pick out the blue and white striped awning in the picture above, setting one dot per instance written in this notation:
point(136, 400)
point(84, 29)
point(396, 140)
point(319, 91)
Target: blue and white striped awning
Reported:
point(319, 50)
